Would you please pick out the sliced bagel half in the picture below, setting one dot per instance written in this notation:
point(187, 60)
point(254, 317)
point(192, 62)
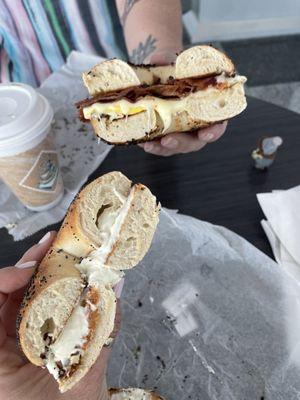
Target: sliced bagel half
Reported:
point(99, 220)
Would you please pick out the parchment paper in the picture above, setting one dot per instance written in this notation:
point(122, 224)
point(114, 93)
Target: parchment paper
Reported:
point(208, 316)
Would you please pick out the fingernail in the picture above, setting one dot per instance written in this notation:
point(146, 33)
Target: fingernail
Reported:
point(170, 143)
point(148, 146)
point(119, 288)
point(45, 237)
point(207, 137)
point(27, 264)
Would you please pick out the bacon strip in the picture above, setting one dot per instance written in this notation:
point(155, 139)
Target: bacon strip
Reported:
point(173, 89)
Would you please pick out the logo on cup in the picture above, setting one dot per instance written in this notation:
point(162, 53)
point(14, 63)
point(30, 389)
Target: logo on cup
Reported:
point(44, 173)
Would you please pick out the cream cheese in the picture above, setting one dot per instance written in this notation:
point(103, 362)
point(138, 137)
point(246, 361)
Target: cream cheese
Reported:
point(165, 108)
point(98, 274)
point(131, 394)
point(68, 346)
point(94, 267)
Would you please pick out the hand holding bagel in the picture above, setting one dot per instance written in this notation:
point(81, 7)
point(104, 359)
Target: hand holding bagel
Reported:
point(19, 379)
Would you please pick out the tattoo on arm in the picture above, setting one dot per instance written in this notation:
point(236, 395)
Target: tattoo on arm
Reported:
point(140, 53)
point(127, 8)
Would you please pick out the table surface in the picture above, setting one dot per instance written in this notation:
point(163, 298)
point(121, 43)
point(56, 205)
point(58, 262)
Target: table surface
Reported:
point(217, 184)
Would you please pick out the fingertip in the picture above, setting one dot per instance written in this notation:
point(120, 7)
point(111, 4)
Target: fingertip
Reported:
point(221, 127)
point(212, 133)
point(45, 237)
point(205, 136)
point(154, 148)
point(49, 236)
point(148, 146)
point(24, 265)
point(169, 142)
point(118, 288)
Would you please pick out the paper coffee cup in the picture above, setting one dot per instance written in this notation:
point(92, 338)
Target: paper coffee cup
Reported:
point(28, 160)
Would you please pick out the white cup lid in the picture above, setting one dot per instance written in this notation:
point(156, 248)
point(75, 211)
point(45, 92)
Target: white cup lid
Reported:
point(25, 115)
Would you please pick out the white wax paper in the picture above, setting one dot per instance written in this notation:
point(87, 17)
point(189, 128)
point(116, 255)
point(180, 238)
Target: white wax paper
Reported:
point(78, 149)
point(208, 316)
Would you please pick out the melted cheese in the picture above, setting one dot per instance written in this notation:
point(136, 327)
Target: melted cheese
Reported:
point(165, 108)
point(123, 108)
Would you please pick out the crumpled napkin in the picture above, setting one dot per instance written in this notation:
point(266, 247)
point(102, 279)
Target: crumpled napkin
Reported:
point(80, 153)
point(282, 226)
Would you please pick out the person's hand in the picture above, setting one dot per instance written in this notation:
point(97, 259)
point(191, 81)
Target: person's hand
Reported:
point(19, 379)
point(184, 142)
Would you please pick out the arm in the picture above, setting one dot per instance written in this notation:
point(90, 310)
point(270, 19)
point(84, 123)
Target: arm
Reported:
point(152, 29)
point(153, 33)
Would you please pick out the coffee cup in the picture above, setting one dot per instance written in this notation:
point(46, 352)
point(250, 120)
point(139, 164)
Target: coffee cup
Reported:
point(28, 159)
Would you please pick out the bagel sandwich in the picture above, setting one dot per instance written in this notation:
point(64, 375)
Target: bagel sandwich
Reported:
point(137, 103)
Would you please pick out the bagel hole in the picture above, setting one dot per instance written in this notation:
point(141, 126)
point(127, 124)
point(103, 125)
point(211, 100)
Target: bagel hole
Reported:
point(222, 103)
point(101, 211)
point(47, 329)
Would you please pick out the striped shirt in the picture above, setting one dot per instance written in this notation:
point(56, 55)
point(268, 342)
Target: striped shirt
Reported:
point(36, 36)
